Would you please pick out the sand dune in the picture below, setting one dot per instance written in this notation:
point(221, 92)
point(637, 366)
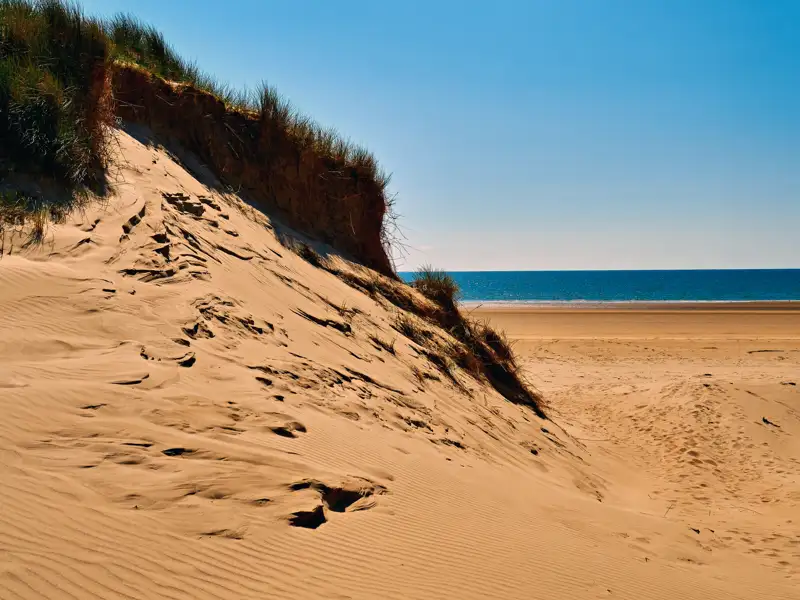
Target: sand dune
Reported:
point(190, 410)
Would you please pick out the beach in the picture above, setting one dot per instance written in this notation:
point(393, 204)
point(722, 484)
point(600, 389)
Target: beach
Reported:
point(689, 411)
point(659, 320)
point(543, 345)
point(193, 410)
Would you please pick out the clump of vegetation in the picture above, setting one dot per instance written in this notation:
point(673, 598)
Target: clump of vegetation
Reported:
point(496, 340)
point(438, 286)
point(55, 104)
point(464, 357)
point(412, 328)
point(136, 42)
point(478, 349)
point(19, 212)
point(308, 254)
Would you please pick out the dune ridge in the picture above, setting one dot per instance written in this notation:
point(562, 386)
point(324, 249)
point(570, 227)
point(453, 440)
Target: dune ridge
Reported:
point(68, 79)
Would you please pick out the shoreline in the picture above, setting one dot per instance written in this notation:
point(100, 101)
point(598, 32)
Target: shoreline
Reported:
point(678, 320)
point(525, 306)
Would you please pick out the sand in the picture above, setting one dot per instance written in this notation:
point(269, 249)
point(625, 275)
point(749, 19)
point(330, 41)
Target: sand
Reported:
point(190, 410)
point(690, 412)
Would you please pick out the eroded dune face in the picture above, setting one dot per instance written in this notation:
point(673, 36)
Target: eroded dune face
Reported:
point(190, 410)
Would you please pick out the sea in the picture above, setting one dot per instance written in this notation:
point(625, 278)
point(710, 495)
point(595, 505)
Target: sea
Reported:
point(728, 285)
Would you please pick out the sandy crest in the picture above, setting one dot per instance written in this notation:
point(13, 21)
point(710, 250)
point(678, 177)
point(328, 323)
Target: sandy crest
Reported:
point(192, 411)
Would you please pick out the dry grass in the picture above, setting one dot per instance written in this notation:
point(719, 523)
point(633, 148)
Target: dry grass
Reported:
point(26, 218)
point(438, 286)
point(13, 220)
point(464, 358)
point(308, 254)
point(495, 340)
point(412, 328)
point(385, 345)
point(474, 347)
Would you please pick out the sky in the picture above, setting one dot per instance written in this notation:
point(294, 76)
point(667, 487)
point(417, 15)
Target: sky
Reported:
point(541, 134)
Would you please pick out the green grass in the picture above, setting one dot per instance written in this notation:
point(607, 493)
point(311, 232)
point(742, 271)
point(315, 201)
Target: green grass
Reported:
point(134, 41)
point(53, 101)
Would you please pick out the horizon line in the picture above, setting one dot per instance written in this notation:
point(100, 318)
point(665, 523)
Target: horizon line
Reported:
point(607, 270)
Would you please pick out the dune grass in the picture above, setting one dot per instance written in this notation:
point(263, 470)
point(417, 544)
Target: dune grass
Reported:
point(438, 286)
point(134, 41)
point(54, 103)
point(56, 108)
point(141, 44)
point(478, 348)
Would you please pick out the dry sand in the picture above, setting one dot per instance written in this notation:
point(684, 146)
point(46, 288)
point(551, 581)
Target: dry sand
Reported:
point(189, 410)
point(689, 412)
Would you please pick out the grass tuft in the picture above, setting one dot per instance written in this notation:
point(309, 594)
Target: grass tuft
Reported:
point(497, 341)
point(28, 216)
point(412, 328)
point(308, 254)
point(55, 101)
point(381, 343)
point(438, 286)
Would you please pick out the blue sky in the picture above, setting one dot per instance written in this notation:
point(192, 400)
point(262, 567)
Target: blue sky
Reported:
point(558, 134)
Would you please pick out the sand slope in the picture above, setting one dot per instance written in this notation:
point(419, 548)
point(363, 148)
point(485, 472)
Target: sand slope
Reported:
point(192, 411)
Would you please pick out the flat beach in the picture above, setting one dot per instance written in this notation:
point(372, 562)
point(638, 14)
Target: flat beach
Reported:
point(691, 320)
point(693, 406)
